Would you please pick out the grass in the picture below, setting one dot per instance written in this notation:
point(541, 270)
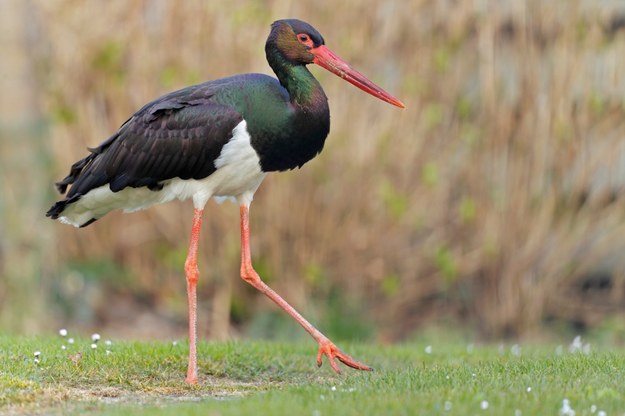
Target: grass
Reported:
point(281, 378)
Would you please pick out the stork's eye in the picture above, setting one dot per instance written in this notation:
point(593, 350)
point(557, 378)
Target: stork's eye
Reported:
point(305, 39)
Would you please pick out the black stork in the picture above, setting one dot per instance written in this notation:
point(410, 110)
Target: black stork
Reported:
point(218, 139)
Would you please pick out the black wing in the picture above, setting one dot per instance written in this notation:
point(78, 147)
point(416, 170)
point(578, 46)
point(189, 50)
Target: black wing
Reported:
point(177, 136)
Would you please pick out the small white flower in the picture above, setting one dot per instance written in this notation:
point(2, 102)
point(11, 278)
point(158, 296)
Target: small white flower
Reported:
point(37, 354)
point(593, 408)
point(94, 346)
point(70, 340)
point(601, 413)
point(529, 389)
point(108, 352)
point(333, 388)
point(108, 342)
point(63, 347)
point(566, 409)
point(174, 343)
point(36, 360)
point(63, 332)
point(428, 349)
point(576, 345)
point(95, 337)
point(484, 405)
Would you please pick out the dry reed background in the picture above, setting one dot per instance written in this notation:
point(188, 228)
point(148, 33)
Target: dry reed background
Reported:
point(493, 201)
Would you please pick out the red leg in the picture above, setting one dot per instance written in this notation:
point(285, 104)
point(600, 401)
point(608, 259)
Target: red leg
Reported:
point(192, 273)
point(326, 347)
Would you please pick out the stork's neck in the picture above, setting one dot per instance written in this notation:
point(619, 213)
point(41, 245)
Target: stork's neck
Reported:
point(296, 134)
point(304, 90)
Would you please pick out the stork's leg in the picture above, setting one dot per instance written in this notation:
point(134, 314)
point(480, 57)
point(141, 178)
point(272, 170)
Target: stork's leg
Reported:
point(326, 347)
point(192, 273)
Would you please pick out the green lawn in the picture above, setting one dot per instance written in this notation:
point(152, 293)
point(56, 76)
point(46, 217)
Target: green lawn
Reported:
point(281, 378)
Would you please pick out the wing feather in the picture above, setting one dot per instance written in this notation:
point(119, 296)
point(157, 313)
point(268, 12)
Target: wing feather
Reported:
point(177, 136)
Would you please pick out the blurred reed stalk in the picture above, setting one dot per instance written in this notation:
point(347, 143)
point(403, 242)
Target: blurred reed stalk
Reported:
point(493, 200)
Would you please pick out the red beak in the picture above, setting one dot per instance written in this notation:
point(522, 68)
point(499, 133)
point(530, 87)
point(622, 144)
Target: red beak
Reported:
point(325, 58)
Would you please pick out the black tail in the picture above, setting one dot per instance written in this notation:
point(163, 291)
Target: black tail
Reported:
point(57, 209)
point(74, 172)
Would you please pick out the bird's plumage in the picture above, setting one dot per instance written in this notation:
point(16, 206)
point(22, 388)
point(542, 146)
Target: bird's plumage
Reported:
point(217, 139)
point(182, 134)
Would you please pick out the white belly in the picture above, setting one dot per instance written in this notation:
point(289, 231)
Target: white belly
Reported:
point(238, 176)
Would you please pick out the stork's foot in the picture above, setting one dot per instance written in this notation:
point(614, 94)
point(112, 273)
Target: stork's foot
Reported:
point(191, 377)
point(331, 351)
